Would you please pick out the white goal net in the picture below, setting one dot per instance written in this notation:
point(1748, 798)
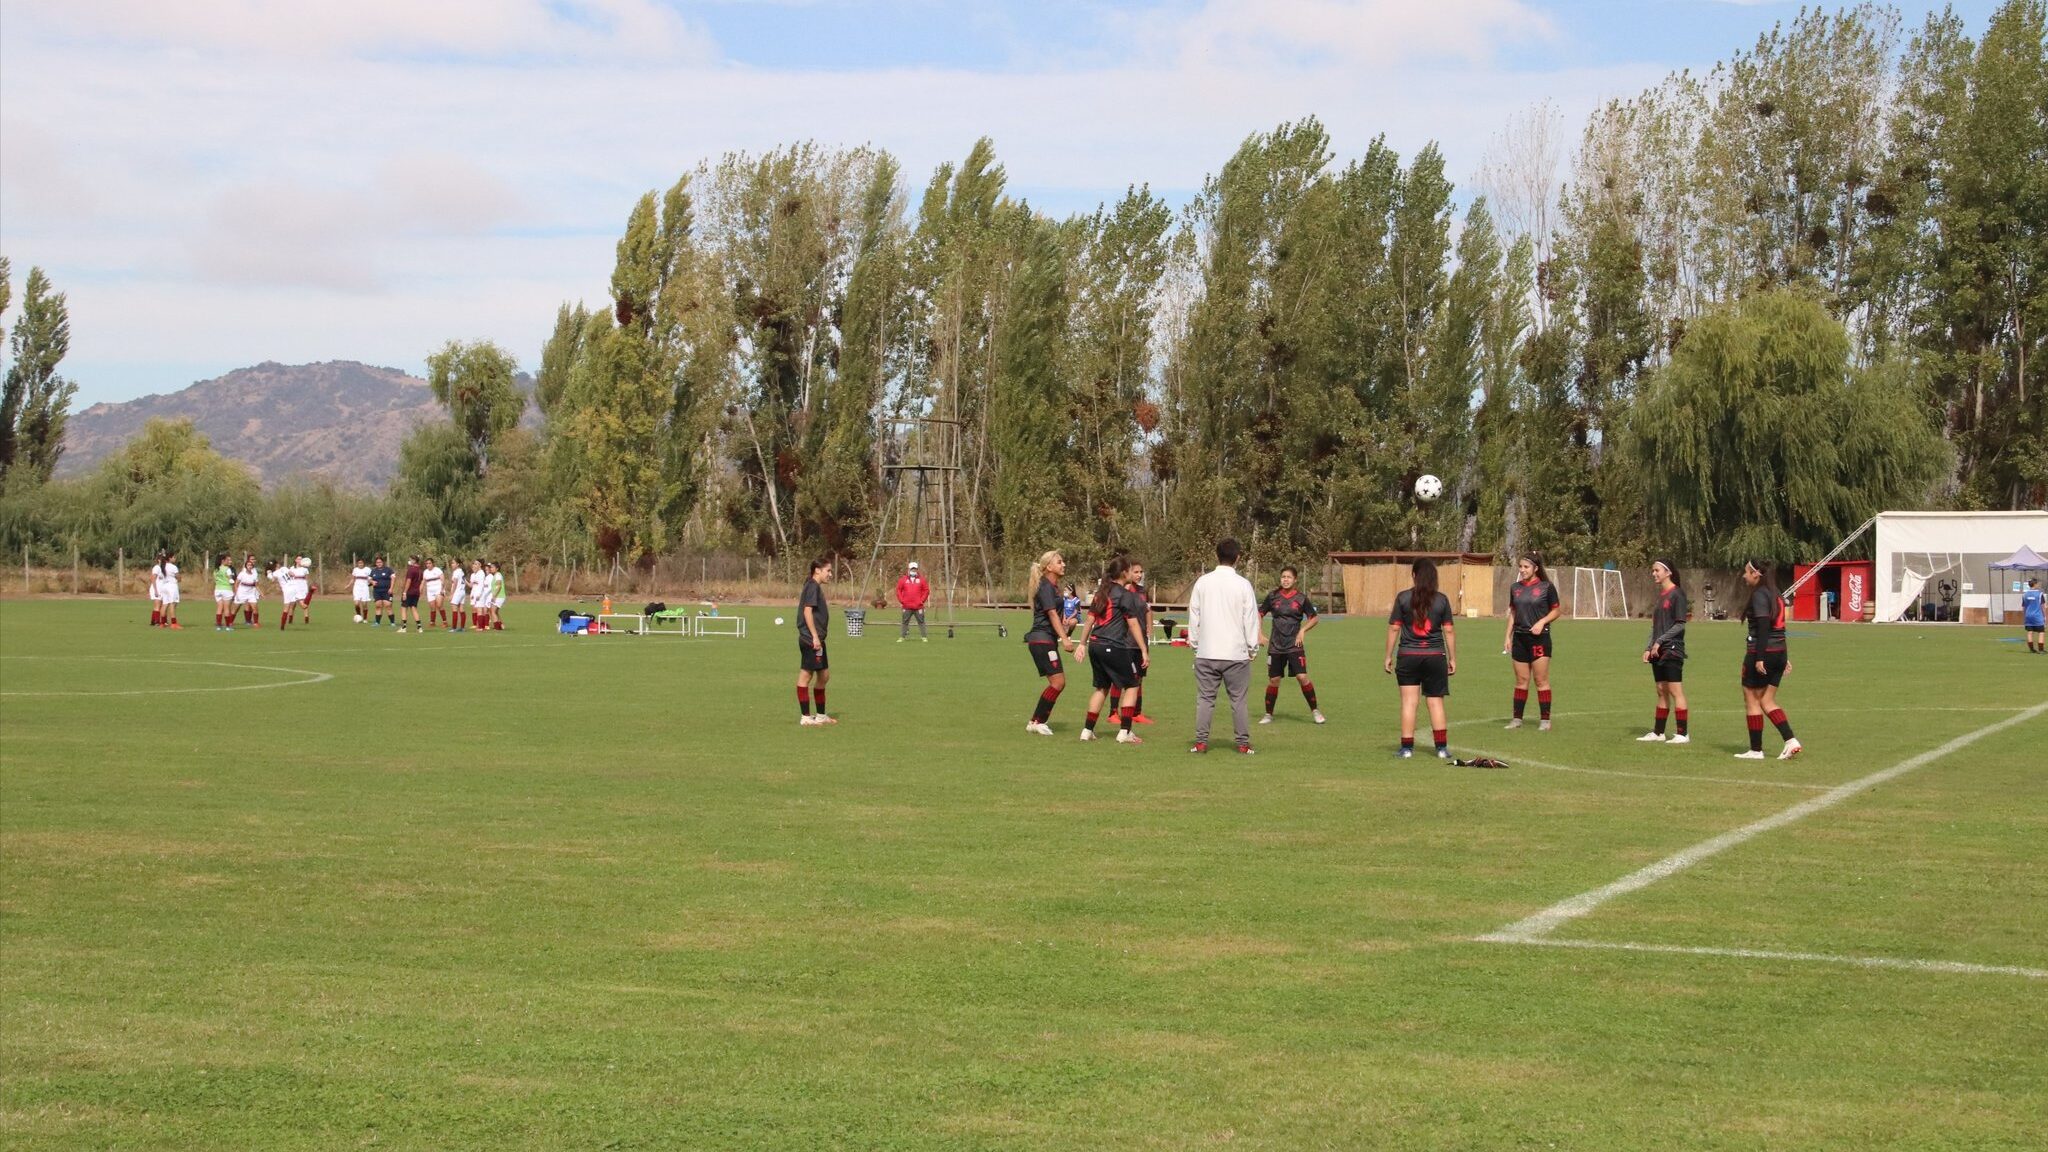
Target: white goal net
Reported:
point(1597, 594)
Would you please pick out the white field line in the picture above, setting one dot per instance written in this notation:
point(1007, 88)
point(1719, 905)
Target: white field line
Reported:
point(1530, 929)
point(1519, 762)
point(1952, 966)
point(308, 677)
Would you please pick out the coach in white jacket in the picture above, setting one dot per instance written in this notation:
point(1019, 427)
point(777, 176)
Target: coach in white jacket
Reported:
point(1223, 625)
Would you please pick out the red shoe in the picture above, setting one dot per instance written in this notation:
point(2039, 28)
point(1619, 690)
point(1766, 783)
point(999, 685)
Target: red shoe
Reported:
point(176, 627)
point(1141, 719)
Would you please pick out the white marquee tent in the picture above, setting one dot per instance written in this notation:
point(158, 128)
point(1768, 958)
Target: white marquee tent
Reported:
point(1917, 551)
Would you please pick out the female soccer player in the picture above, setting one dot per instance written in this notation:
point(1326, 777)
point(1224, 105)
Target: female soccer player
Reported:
point(1294, 617)
point(1764, 663)
point(2034, 616)
point(458, 595)
point(434, 578)
point(1134, 582)
point(1532, 606)
point(1048, 635)
point(813, 667)
point(1666, 653)
point(497, 597)
point(359, 588)
point(249, 590)
point(167, 590)
point(223, 594)
point(1116, 647)
point(1422, 656)
point(301, 592)
point(479, 596)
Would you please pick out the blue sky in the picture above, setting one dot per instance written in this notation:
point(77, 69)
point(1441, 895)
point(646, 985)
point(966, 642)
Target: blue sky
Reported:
point(220, 182)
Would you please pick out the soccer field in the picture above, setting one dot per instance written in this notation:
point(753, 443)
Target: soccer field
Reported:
point(339, 887)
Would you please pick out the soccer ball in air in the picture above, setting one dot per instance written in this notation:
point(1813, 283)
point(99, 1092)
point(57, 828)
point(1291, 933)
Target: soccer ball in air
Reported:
point(778, 621)
point(359, 617)
point(1428, 488)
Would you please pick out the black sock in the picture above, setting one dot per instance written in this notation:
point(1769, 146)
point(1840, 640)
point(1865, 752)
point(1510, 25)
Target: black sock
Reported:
point(1308, 693)
point(1272, 698)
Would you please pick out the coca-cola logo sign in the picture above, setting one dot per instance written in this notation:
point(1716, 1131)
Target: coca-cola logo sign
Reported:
point(1853, 596)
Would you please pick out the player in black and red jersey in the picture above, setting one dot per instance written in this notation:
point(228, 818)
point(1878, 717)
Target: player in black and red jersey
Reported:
point(1532, 607)
point(1293, 617)
point(1765, 661)
point(1422, 655)
point(1666, 652)
point(1047, 637)
point(1134, 581)
point(1116, 647)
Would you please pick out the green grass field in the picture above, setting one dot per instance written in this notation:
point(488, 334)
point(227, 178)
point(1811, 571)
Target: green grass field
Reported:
point(518, 890)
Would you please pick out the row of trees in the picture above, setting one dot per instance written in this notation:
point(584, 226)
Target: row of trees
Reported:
point(1750, 309)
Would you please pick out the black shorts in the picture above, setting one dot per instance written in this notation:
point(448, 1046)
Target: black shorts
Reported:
point(1115, 668)
point(1430, 670)
point(381, 595)
point(1287, 663)
point(412, 600)
point(1772, 675)
point(2031, 627)
point(1668, 670)
point(811, 659)
point(1046, 658)
point(1529, 648)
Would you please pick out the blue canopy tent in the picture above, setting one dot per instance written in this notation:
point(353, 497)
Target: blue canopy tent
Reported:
point(2011, 575)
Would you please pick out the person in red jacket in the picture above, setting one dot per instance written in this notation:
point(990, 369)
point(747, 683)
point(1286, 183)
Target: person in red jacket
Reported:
point(913, 591)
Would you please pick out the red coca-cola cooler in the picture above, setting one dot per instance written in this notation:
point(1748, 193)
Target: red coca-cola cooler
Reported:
point(1840, 590)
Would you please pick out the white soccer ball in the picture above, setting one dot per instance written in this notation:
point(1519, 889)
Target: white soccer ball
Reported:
point(359, 617)
point(778, 621)
point(1428, 488)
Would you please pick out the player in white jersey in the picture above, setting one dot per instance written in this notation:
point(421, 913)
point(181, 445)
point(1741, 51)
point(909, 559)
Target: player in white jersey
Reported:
point(280, 575)
point(156, 592)
point(359, 588)
point(458, 595)
point(167, 590)
point(248, 590)
point(479, 595)
point(434, 579)
point(301, 591)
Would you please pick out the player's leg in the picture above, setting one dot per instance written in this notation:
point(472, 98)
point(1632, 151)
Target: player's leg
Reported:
point(1675, 691)
point(1411, 695)
point(1768, 698)
point(1439, 726)
point(1539, 671)
point(818, 681)
point(1521, 697)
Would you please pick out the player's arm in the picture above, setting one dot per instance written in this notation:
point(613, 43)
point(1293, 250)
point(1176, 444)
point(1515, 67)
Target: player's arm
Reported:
point(811, 626)
point(1393, 641)
point(1556, 610)
point(1451, 646)
point(1308, 623)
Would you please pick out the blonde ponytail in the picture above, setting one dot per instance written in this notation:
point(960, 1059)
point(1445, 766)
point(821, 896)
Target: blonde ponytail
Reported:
point(1038, 567)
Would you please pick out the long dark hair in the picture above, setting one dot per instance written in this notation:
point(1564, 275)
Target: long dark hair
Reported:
point(1422, 597)
point(1535, 560)
point(1112, 579)
point(1766, 576)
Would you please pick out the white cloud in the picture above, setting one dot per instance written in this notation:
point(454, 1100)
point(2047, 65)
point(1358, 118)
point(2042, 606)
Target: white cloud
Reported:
point(218, 183)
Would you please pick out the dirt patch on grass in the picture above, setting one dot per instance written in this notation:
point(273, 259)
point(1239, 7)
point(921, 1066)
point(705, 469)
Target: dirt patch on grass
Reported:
point(772, 869)
point(101, 845)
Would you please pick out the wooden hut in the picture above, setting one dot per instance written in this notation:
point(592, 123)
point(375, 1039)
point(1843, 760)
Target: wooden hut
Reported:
point(1373, 579)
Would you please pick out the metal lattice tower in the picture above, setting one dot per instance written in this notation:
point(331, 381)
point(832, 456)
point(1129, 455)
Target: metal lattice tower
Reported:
point(922, 510)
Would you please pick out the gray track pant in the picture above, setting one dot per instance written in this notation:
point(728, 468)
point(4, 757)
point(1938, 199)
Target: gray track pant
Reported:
point(1236, 678)
point(907, 614)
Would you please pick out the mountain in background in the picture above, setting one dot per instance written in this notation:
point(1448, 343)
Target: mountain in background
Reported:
point(341, 421)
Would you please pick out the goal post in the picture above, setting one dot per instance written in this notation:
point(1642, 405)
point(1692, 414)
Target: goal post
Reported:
point(1598, 594)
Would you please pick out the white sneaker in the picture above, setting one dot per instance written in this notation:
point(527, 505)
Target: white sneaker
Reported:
point(821, 718)
point(1037, 729)
point(1087, 733)
point(1266, 719)
point(1318, 714)
point(807, 722)
point(1543, 726)
point(1123, 737)
point(1749, 755)
point(1514, 724)
point(1681, 738)
point(1650, 738)
point(1792, 748)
